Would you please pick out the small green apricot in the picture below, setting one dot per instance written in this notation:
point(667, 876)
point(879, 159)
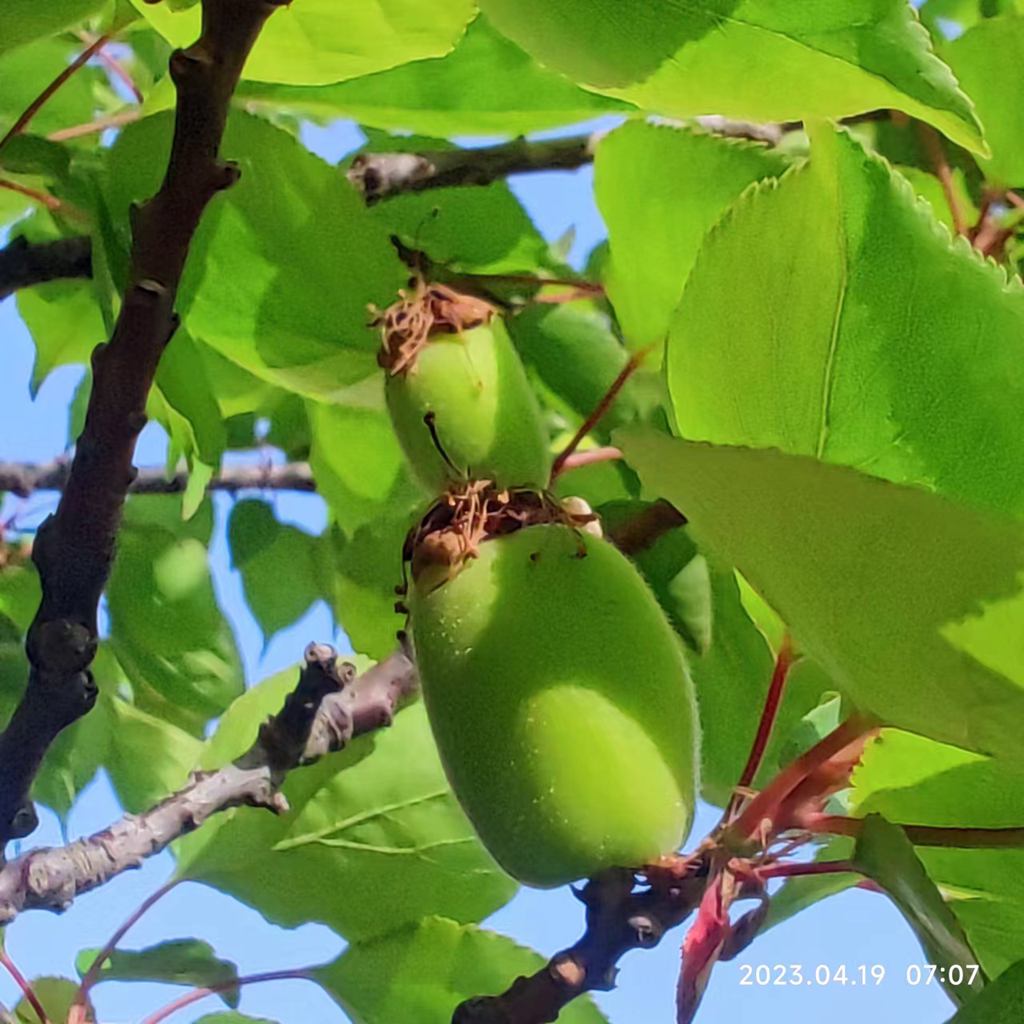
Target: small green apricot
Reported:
point(463, 410)
point(561, 704)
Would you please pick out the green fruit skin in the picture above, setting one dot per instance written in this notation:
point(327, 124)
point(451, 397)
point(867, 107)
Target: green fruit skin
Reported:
point(561, 704)
point(485, 412)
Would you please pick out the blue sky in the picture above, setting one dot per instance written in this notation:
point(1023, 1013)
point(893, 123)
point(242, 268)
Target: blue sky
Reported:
point(852, 929)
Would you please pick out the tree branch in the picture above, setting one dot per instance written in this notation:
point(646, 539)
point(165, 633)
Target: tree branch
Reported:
point(24, 479)
point(618, 920)
point(75, 546)
point(327, 709)
point(23, 264)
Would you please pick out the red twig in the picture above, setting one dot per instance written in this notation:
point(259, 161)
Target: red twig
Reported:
point(77, 1014)
point(113, 66)
point(818, 867)
point(36, 105)
point(928, 835)
point(101, 124)
point(1014, 200)
point(932, 144)
point(26, 987)
point(602, 407)
point(50, 202)
point(783, 662)
point(301, 973)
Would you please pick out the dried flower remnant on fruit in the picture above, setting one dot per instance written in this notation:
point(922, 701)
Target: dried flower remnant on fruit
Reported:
point(407, 324)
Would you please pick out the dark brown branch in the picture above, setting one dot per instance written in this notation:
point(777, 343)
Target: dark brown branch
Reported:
point(324, 712)
point(23, 479)
point(23, 264)
point(75, 546)
point(618, 920)
point(641, 531)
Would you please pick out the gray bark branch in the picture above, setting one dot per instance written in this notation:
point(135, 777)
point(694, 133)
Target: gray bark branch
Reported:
point(23, 478)
point(327, 709)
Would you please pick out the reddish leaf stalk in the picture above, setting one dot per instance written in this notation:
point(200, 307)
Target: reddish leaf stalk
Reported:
point(37, 104)
point(927, 835)
point(114, 67)
point(783, 662)
point(77, 1013)
point(600, 409)
point(766, 804)
point(50, 202)
point(298, 973)
point(101, 124)
point(590, 456)
point(25, 985)
point(932, 144)
point(819, 867)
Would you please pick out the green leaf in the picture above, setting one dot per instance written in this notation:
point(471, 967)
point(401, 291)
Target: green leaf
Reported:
point(165, 626)
point(278, 564)
point(573, 350)
point(1001, 1002)
point(686, 180)
point(911, 779)
point(25, 20)
point(752, 59)
point(177, 961)
point(320, 41)
point(65, 323)
point(283, 265)
point(485, 86)
point(987, 61)
point(832, 348)
point(359, 468)
point(885, 855)
point(25, 71)
point(891, 589)
point(56, 996)
point(423, 972)
point(374, 839)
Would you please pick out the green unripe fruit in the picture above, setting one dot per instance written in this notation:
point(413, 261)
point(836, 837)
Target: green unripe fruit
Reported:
point(463, 409)
point(561, 705)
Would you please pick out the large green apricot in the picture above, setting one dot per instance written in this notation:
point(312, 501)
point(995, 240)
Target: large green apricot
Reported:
point(464, 410)
point(561, 704)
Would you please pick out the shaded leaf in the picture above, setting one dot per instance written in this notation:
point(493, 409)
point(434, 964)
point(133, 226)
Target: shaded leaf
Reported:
point(25, 20)
point(423, 972)
point(177, 961)
point(1001, 1002)
point(885, 855)
point(879, 583)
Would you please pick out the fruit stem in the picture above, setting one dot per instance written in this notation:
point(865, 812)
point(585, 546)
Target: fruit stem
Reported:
point(591, 455)
point(635, 360)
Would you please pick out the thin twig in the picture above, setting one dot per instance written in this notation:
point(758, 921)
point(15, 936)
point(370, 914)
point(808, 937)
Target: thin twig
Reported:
point(591, 456)
point(37, 104)
point(814, 867)
point(292, 974)
point(597, 414)
point(50, 202)
point(92, 975)
point(101, 124)
point(932, 142)
point(114, 66)
point(25, 985)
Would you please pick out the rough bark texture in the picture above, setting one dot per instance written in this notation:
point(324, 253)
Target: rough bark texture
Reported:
point(75, 546)
point(325, 711)
point(23, 479)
